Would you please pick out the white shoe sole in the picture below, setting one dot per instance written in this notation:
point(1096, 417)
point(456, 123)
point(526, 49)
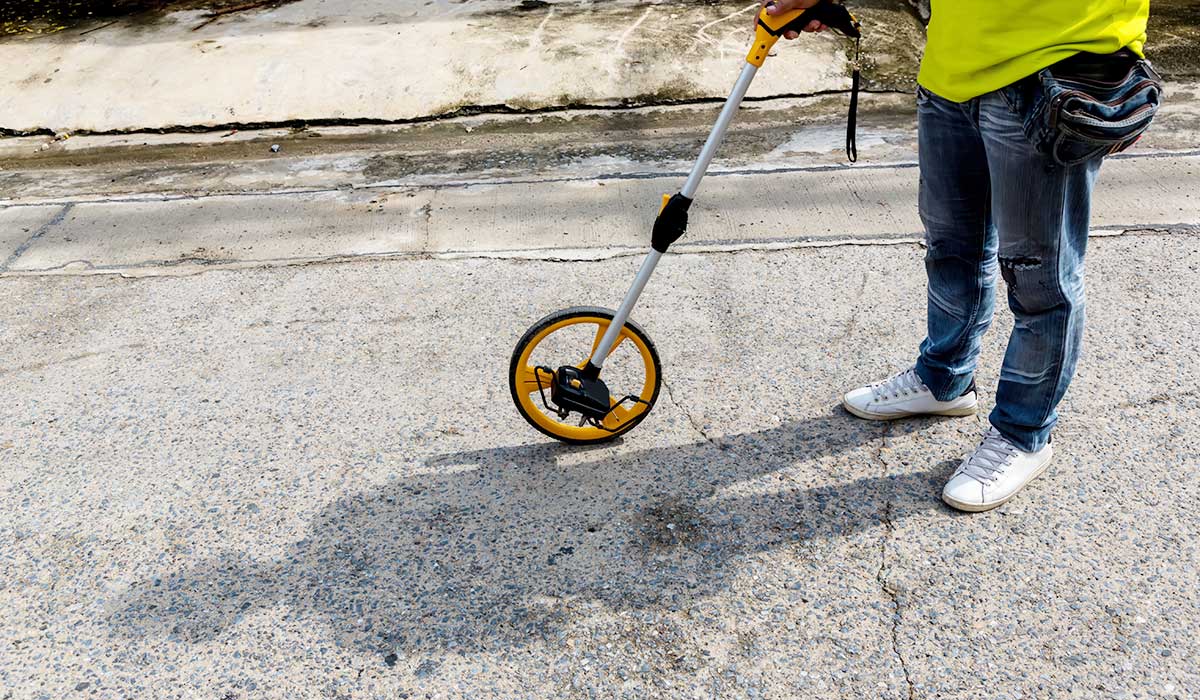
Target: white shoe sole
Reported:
point(989, 505)
point(871, 415)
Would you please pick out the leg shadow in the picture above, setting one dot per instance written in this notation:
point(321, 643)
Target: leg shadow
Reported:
point(503, 545)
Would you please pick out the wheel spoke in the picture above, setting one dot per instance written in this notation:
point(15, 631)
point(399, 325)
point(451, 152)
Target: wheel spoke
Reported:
point(600, 329)
point(530, 380)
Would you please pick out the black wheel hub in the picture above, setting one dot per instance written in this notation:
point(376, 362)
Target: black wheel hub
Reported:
point(574, 390)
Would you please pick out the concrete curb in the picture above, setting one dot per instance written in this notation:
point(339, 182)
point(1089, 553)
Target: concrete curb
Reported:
point(585, 219)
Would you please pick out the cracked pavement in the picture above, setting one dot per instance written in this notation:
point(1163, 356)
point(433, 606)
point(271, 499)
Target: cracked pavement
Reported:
point(308, 481)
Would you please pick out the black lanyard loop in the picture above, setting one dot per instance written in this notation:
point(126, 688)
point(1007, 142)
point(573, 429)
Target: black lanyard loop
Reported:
point(852, 119)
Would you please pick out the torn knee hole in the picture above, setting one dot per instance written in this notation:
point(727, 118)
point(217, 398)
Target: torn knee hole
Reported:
point(1020, 264)
point(1009, 267)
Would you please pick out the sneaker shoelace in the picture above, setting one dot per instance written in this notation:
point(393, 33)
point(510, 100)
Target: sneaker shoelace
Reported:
point(990, 458)
point(897, 385)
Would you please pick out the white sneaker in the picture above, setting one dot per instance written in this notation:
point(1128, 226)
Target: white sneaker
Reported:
point(903, 395)
point(993, 473)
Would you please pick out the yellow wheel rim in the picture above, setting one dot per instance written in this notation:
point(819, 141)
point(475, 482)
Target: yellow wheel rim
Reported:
point(528, 384)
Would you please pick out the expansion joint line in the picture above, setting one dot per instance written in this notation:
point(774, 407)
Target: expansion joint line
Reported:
point(33, 238)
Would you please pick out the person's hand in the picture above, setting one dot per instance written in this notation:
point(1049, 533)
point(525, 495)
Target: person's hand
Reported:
point(778, 7)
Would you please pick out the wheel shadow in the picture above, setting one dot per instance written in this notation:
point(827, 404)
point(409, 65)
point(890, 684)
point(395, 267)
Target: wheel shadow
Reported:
point(501, 547)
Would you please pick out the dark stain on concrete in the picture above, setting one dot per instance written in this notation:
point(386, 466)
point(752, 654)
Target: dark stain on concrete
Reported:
point(672, 523)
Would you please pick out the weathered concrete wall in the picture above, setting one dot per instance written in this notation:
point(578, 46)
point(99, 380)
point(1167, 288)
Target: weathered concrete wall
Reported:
point(389, 60)
point(398, 60)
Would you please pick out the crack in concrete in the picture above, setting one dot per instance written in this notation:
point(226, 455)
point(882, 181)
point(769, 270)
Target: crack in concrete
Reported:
point(715, 248)
point(1144, 230)
point(36, 366)
point(852, 324)
point(464, 111)
point(184, 267)
point(421, 185)
point(1156, 399)
point(696, 426)
point(191, 265)
point(889, 529)
point(427, 217)
point(41, 231)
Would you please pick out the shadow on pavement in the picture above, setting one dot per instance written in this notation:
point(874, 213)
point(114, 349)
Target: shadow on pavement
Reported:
point(502, 546)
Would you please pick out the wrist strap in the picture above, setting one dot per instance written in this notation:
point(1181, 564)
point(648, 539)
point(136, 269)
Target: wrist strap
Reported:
point(852, 119)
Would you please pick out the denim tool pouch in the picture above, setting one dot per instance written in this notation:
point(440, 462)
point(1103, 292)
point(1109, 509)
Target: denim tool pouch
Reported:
point(1091, 105)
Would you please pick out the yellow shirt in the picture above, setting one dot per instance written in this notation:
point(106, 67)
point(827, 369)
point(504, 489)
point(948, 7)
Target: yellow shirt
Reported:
point(976, 46)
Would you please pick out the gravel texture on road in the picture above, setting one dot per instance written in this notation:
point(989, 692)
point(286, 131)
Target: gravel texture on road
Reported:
point(310, 482)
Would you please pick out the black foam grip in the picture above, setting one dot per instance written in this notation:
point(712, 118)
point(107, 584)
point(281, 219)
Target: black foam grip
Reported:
point(829, 13)
point(671, 222)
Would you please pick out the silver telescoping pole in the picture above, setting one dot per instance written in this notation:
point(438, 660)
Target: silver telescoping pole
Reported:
point(718, 133)
point(618, 322)
point(689, 190)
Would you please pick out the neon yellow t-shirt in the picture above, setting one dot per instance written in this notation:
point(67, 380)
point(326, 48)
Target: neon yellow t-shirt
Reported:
point(976, 46)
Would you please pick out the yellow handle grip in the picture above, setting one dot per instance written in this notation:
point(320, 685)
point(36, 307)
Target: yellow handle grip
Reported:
point(770, 27)
point(766, 36)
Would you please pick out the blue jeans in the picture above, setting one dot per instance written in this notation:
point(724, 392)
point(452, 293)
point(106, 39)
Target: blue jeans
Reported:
point(993, 203)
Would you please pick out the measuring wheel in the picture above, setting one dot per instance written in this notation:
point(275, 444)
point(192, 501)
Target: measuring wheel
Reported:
point(570, 402)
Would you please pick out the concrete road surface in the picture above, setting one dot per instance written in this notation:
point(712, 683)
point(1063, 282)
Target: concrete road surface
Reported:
point(309, 482)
